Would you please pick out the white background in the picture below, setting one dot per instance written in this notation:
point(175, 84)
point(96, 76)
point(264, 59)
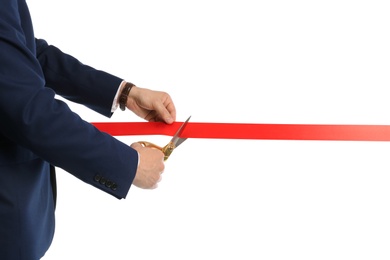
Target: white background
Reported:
point(308, 62)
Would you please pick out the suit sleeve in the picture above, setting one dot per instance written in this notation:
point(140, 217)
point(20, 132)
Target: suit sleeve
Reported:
point(31, 116)
point(75, 81)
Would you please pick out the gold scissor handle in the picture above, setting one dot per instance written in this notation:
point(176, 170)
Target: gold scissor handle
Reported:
point(167, 150)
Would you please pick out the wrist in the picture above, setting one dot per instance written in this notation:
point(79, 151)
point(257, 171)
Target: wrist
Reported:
point(124, 95)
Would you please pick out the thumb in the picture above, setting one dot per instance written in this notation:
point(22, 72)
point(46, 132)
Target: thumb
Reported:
point(164, 113)
point(136, 145)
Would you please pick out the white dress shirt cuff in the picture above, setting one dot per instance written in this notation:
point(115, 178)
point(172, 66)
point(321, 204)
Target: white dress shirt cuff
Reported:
point(115, 103)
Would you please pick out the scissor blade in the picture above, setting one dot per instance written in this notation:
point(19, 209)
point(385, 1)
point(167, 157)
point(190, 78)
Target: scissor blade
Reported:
point(180, 141)
point(176, 140)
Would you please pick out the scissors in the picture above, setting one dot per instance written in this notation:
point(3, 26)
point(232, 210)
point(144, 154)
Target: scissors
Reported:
point(175, 142)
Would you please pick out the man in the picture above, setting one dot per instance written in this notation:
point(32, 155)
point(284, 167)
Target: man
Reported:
point(38, 132)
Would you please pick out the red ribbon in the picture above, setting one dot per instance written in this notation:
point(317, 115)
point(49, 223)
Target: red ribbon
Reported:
point(252, 131)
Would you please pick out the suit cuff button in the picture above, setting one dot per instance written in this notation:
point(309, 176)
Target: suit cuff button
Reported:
point(108, 184)
point(103, 181)
point(97, 177)
point(114, 186)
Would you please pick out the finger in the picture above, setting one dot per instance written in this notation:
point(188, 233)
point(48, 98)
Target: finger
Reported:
point(155, 186)
point(171, 110)
point(164, 114)
point(151, 116)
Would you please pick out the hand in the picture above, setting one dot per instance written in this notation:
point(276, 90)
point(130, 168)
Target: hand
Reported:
point(150, 167)
point(153, 106)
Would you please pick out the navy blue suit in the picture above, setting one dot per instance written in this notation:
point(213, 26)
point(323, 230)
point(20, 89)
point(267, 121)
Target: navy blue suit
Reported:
point(38, 131)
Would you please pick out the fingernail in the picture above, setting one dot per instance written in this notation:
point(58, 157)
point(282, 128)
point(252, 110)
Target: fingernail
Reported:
point(169, 120)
